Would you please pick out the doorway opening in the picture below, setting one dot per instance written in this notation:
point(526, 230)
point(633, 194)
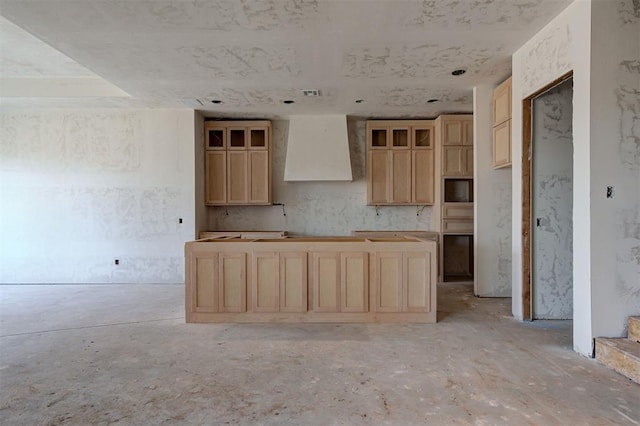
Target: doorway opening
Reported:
point(548, 202)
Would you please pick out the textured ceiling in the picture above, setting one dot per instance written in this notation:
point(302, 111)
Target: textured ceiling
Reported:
point(395, 55)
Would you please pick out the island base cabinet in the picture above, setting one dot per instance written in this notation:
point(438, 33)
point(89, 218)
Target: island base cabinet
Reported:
point(357, 280)
point(279, 282)
point(404, 282)
point(232, 277)
point(219, 282)
point(340, 282)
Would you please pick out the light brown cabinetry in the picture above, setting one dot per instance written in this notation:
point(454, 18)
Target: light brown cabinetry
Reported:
point(400, 282)
point(311, 279)
point(502, 125)
point(238, 162)
point(220, 282)
point(457, 145)
point(279, 281)
point(456, 135)
point(400, 168)
point(340, 281)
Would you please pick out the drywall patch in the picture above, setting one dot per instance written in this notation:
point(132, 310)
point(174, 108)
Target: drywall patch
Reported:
point(550, 57)
point(629, 11)
point(628, 101)
point(229, 15)
point(421, 61)
point(418, 96)
point(64, 142)
point(497, 14)
point(241, 61)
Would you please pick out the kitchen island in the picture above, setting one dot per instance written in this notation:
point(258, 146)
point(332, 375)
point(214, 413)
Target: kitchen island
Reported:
point(319, 279)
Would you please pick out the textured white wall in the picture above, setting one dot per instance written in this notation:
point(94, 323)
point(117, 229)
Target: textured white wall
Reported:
point(561, 46)
point(552, 204)
point(615, 161)
point(492, 204)
point(80, 188)
point(320, 208)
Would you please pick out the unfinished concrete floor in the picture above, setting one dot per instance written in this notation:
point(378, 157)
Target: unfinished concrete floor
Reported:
point(94, 354)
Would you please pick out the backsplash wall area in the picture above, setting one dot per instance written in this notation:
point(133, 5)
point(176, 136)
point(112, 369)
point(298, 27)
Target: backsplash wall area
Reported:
point(320, 208)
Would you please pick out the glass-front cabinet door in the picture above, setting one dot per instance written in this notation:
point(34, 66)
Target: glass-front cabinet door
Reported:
point(378, 138)
point(422, 137)
point(237, 138)
point(215, 138)
point(258, 138)
point(400, 138)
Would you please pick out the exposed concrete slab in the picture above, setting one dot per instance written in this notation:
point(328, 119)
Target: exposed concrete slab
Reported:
point(101, 354)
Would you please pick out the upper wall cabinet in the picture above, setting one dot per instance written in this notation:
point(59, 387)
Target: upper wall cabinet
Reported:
point(238, 162)
point(457, 144)
point(502, 125)
point(400, 168)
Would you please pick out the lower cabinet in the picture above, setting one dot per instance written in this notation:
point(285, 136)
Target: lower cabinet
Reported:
point(220, 281)
point(340, 281)
point(279, 281)
point(403, 281)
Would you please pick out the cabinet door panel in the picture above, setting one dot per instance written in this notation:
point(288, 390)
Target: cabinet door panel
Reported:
point(453, 133)
point(238, 174)
point(216, 181)
point(378, 176)
point(467, 137)
point(502, 102)
point(232, 279)
point(452, 157)
point(388, 282)
point(354, 279)
point(326, 282)
point(417, 290)
point(265, 282)
point(259, 177)
point(401, 181)
point(502, 144)
point(293, 282)
point(423, 177)
point(205, 297)
point(467, 156)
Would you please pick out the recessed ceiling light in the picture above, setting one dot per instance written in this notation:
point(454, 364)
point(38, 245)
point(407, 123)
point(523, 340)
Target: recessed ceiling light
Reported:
point(432, 101)
point(216, 101)
point(288, 101)
point(359, 101)
point(458, 72)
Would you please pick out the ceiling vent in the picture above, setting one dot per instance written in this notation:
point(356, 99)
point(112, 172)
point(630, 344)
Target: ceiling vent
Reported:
point(318, 149)
point(311, 92)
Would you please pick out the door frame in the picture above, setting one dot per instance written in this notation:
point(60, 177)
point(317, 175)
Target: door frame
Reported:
point(527, 156)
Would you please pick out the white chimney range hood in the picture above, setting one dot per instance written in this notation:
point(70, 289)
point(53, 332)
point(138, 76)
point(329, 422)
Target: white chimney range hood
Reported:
point(318, 149)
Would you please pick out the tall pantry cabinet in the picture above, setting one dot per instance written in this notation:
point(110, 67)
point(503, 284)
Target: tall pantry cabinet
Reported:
point(456, 248)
